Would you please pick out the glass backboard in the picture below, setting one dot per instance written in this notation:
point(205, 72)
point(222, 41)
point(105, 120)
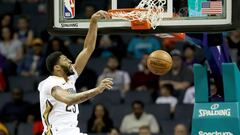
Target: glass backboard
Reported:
point(71, 17)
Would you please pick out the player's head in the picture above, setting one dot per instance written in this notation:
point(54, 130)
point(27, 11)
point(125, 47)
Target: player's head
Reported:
point(138, 108)
point(57, 62)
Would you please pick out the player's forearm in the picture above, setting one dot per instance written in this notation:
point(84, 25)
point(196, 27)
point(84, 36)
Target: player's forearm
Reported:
point(90, 41)
point(83, 96)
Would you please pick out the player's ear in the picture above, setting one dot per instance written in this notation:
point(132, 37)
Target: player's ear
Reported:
point(57, 67)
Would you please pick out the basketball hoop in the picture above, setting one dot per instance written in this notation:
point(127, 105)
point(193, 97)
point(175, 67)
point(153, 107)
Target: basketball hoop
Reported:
point(145, 16)
point(131, 14)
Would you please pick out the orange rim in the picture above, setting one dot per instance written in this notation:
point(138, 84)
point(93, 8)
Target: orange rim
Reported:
point(136, 24)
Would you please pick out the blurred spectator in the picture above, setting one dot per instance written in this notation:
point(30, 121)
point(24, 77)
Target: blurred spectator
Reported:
point(121, 79)
point(83, 82)
point(16, 110)
point(180, 129)
point(189, 97)
point(144, 79)
point(144, 130)
point(233, 40)
point(100, 121)
point(132, 122)
point(141, 45)
point(24, 33)
point(6, 21)
point(166, 96)
point(189, 55)
point(110, 46)
point(11, 49)
point(57, 44)
point(33, 63)
point(180, 76)
point(214, 95)
point(89, 11)
point(3, 129)
point(114, 131)
point(3, 83)
point(34, 117)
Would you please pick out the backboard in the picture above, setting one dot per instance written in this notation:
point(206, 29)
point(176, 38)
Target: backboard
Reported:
point(71, 17)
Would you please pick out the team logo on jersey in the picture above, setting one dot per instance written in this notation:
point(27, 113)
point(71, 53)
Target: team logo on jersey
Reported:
point(69, 8)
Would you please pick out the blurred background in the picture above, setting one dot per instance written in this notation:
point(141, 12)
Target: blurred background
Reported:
point(162, 104)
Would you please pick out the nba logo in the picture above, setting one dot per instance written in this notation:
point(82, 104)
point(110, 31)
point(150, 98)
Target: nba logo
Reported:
point(69, 9)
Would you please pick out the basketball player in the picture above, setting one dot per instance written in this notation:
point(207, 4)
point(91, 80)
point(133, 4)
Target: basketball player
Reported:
point(58, 97)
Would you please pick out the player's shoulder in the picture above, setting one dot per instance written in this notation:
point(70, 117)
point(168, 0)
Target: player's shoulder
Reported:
point(51, 80)
point(48, 80)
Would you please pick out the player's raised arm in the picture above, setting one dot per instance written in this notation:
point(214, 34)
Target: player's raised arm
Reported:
point(70, 99)
point(90, 41)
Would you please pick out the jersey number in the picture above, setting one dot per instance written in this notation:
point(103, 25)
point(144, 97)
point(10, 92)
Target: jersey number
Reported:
point(71, 108)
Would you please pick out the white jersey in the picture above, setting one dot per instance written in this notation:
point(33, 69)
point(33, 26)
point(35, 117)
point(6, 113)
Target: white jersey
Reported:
point(57, 115)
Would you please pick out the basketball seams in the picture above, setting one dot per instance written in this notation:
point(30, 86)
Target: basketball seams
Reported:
point(160, 59)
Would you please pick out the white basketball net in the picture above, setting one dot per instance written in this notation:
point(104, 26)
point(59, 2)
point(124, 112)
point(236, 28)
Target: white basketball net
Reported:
point(152, 14)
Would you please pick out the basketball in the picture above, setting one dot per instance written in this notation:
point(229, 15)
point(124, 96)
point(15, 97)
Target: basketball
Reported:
point(159, 62)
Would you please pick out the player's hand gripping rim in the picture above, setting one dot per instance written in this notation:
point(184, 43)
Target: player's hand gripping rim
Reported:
point(100, 15)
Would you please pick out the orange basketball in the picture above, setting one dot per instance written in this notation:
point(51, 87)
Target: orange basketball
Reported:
point(159, 62)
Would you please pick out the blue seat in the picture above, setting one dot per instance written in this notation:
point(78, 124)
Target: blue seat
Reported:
point(160, 111)
point(108, 98)
point(74, 49)
point(85, 112)
point(168, 126)
point(27, 84)
point(143, 96)
point(38, 23)
point(184, 112)
point(29, 8)
point(117, 113)
point(11, 128)
point(82, 126)
point(32, 97)
point(25, 129)
point(97, 64)
point(130, 65)
point(4, 98)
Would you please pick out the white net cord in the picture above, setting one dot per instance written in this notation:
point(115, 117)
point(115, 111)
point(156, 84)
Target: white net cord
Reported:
point(152, 14)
